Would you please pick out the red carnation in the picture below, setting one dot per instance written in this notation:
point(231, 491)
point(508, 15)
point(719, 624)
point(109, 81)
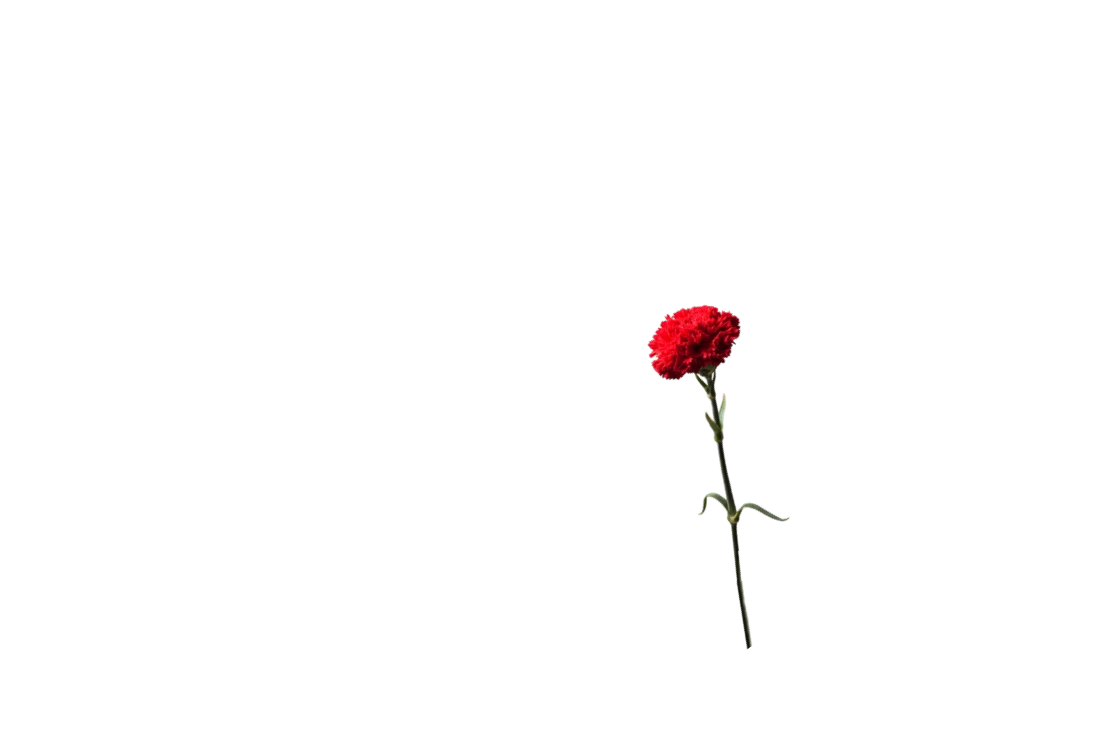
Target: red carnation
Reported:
point(693, 339)
point(697, 340)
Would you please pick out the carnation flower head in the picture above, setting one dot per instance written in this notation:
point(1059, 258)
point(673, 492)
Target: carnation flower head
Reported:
point(693, 339)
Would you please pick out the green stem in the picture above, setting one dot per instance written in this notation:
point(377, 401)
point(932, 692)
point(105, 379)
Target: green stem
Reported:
point(732, 507)
point(740, 587)
point(722, 466)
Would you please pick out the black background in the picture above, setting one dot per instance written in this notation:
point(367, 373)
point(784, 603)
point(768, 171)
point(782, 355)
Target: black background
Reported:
point(916, 408)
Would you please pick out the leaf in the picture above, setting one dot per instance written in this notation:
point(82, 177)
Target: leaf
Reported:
point(722, 411)
point(702, 383)
point(717, 429)
point(767, 513)
point(713, 496)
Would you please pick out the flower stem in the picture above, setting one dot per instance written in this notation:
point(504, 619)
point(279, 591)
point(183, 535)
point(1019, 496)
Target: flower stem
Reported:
point(732, 507)
point(740, 587)
point(719, 440)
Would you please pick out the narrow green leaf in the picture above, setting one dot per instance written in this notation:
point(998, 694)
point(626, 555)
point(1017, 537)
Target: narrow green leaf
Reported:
point(713, 496)
point(767, 513)
point(717, 429)
point(722, 411)
point(702, 383)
